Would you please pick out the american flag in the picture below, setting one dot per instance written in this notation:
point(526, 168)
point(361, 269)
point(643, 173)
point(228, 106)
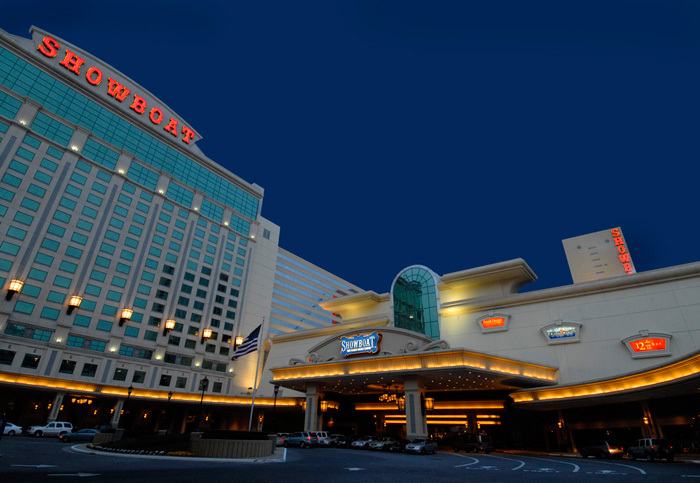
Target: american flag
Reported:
point(250, 344)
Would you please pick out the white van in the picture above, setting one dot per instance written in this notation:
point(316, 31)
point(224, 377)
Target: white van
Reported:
point(322, 436)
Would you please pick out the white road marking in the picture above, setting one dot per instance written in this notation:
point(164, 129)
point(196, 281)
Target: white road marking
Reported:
point(36, 466)
point(79, 475)
point(355, 469)
point(623, 465)
point(576, 467)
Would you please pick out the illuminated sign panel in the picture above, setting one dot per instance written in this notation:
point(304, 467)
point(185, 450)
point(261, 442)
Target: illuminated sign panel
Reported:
point(493, 322)
point(565, 332)
point(562, 332)
point(360, 344)
point(138, 105)
point(647, 344)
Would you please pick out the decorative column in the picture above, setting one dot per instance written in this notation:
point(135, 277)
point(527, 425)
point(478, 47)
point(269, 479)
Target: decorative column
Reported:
point(416, 423)
point(649, 428)
point(313, 420)
point(56, 407)
point(117, 413)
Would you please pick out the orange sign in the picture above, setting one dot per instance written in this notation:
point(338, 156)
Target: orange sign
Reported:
point(648, 345)
point(93, 76)
point(493, 322)
point(624, 255)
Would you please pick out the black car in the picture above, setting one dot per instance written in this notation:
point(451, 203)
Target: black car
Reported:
point(602, 449)
point(80, 435)
point(399, 445)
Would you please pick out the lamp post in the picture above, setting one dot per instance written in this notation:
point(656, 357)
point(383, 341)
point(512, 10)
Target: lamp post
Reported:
point(167, 422)
point(205, 385)
point(128, 396)
point(274, 409)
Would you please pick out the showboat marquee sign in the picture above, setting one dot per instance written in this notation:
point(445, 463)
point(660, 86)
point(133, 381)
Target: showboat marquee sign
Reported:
point(360, 344)
point(139, 106)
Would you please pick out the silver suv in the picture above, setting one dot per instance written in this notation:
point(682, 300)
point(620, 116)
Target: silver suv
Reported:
point(54, 428)
point(302, 439)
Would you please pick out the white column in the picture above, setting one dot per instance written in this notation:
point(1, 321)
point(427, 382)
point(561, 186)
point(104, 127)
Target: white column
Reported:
point(416, 423)
point(313, 420)
point(56, 407)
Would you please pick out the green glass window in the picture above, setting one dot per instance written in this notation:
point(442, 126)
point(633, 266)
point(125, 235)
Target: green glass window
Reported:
point(414, 296)
point(10, 248)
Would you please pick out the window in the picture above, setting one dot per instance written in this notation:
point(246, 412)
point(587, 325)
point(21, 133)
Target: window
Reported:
point(31, 361)
point(6, 357)
point(120, 374)
point(67, 367)
point(180, 382)
point(139, 377)
point(89, 370)
point(415, 301)
point(165, 380)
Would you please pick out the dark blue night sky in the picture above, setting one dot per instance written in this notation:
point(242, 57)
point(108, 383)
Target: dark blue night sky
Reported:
point(451, 134)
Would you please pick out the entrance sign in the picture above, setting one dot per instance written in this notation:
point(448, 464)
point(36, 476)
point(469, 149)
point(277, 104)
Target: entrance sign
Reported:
point(648, 344)
point(360, 344)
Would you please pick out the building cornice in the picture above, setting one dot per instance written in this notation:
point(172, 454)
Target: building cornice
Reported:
point(624, 282)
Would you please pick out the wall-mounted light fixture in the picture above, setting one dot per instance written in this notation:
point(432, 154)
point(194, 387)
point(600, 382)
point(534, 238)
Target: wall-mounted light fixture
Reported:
point(237, 342)
point(206, 334)
point(324, 405)
point(74, 303)
point(126, 315)
point(169, 325)
point(429, 403)
point(15, 287)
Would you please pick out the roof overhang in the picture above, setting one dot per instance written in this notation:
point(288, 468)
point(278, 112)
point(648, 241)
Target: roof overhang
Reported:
point(439, 370)
point(677, 378)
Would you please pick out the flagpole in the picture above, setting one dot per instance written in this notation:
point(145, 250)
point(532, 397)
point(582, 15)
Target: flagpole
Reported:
point(255, 382)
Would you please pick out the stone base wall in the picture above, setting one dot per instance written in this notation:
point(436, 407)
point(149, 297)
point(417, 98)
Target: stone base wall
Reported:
point(232, 448)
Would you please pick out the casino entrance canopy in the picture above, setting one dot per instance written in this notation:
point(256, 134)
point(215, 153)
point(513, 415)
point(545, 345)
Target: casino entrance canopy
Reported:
point(439, 367)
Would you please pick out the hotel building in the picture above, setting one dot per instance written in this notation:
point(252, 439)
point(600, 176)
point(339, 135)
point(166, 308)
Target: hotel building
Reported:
point(131, 263)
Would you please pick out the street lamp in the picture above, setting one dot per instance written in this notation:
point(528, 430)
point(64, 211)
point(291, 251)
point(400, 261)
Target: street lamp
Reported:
point(205, 385)
point(274, 409)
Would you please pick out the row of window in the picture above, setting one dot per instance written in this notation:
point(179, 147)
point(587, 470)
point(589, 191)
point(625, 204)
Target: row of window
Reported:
point(58, 98)
point(31, 361)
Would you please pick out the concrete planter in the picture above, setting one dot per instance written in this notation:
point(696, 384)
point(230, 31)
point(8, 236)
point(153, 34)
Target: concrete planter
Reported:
point(103, 438)
point(232, 448)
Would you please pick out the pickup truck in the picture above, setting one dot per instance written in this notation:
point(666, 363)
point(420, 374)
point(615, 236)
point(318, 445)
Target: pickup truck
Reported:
point(650, 449)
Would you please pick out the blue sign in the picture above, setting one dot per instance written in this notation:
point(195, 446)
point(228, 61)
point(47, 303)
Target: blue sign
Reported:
point(360, 344)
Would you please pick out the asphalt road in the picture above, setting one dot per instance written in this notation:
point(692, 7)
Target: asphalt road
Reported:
point(27, 459)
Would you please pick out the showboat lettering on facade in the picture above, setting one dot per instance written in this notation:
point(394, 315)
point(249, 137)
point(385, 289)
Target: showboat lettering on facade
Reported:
point(93, 75)
point(360, 344)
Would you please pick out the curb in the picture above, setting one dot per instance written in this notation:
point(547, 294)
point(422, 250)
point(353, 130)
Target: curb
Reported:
point(280, 456)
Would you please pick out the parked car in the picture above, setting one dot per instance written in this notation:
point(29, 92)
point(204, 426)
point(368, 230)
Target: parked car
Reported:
point(321, 435)
point(602, 449)
point(280, 438)
point(382, 444)
point(302, 439)
point(651, 449)
point(473, 442)
point(362, 443)
point(54, 428)
point(399, 446)
point(80, 435)
point(12, 429)
point(422, 446)
point(334, 441)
